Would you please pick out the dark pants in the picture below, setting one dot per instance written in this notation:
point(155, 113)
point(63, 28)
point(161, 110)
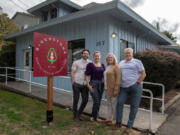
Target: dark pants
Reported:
point(77, 89)
point(98, 87)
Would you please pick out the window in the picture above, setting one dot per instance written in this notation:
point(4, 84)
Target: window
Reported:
point(53, 13)
point(123, 45)
point(26, 59)
point(74, 51)
point(45, 16)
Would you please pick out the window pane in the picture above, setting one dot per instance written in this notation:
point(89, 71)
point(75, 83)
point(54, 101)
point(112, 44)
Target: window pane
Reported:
point(131, 45)
point(53, 13)
point(123, 45)
point(45, 16)
point(27, 59)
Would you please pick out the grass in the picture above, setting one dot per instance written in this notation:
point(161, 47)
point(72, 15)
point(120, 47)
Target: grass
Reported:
point(21, 115)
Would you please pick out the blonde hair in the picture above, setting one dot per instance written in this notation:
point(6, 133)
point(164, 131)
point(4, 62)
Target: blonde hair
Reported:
point(97, 52)
point(114, 58)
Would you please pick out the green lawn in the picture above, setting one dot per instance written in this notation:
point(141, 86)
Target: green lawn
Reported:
point(21, 115)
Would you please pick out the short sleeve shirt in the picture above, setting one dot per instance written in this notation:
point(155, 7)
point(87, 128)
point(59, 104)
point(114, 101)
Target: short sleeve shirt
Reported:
point(130, 72)
point(79, 66)
point(96, 73)
point(105, 76)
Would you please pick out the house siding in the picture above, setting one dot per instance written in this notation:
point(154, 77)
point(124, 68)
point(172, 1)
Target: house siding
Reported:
point(92, 29)
point(62, 10)
point(128, 33)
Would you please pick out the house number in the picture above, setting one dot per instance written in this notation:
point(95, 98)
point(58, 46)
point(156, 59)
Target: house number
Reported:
point(99, 43)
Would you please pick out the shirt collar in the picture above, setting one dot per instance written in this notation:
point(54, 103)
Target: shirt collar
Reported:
point(84, 60)
point(130, 60)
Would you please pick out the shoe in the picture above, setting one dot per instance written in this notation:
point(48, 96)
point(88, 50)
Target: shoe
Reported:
point(92, 119)
point(117, 126)
point(76, 119)
point(80, 118)
point(127, 130)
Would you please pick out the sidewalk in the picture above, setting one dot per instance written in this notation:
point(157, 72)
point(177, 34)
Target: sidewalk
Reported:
point(64, 98)
point(171, 126)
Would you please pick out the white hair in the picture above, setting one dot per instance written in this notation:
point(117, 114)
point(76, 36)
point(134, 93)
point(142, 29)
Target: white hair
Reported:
point(128, 49)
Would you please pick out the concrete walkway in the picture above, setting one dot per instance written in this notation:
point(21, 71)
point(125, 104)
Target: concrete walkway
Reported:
point(65, 98)
point(171, 126)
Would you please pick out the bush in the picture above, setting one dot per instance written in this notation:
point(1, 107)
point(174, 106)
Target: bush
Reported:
point(161, 67)
point(178, 85)
point(7, 59)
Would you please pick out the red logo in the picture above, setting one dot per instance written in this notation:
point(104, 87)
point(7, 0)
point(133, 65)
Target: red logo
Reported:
point(50, 55)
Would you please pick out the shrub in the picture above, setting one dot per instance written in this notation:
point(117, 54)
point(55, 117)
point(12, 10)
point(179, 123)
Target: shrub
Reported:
point(7, 59)
point(161, 67)
point(178, 85)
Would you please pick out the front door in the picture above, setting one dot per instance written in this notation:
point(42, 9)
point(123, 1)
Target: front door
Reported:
point(26, 64)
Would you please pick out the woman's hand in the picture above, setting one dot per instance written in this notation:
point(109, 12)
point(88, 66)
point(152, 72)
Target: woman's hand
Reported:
point(90, 88)
point(116, 94)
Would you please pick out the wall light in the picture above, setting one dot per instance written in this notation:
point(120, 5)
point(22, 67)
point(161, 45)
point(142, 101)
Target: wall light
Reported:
point(113, 35)
point(29, 46)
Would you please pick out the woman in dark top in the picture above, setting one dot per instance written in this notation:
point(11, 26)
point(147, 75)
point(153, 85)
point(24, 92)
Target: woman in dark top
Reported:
point(96, 86)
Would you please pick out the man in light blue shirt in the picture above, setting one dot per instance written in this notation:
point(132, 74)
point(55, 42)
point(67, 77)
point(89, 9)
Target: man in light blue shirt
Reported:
point(133, 73)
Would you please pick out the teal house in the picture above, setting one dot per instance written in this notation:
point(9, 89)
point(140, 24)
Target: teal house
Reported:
point(108, 27)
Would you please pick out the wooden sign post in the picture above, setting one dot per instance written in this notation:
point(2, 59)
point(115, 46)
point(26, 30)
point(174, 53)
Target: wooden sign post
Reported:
point(49, 114)
point(49, 60)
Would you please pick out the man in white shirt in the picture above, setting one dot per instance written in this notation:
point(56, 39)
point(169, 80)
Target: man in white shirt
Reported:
point(133, 73)
point(79, 84)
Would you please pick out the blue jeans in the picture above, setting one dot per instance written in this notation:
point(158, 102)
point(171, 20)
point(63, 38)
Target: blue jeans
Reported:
point(98, 87)
point(135, 93)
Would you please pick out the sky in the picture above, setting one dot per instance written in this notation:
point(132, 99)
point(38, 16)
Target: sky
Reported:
point(164, 11)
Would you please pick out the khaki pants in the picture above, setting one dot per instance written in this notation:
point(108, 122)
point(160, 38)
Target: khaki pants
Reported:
point(111, 102)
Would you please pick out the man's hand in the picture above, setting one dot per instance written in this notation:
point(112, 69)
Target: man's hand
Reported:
point(72, 76)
